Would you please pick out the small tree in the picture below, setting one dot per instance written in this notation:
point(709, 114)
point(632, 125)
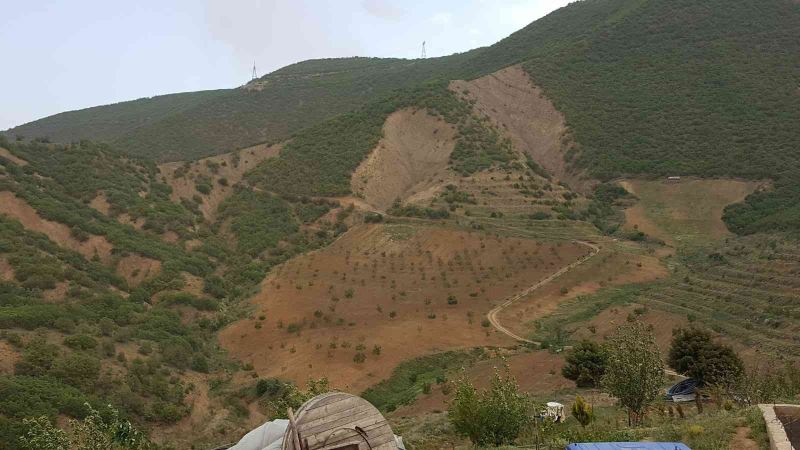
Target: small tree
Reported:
point(582, 411)
point(634, 373)
point(585, 364)
point(694, 353)
point(493, 417)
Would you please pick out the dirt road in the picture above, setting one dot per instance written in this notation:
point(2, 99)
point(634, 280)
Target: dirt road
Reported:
point(492, 316)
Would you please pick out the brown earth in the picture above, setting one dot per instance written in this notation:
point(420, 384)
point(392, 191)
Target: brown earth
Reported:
point(126, 219)
point(742, 441)
point(537, 373)
point(5, 153)
point(230, 166)
point(412, 155)
point(521, 112)
point(609, 320)
point(400, 269)
point(59, 233)
point(100, 203)
point(8, 358)
point(6, 271)
point(616, 264)
point(136, 269)
point(57, 293)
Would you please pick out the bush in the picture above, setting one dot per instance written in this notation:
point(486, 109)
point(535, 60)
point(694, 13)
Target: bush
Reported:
point(585, 364)
point(695, 354)
point(493, 417)
point(582, 411)
point(371, 217)
point(96, 431)
point(200, 364)
point(271, 387)
point(80, 342)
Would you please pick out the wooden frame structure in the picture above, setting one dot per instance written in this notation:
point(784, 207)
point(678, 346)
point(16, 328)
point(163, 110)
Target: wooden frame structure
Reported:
point(338, 421)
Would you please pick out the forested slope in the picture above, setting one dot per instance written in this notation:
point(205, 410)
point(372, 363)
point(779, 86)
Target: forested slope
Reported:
point(107, 123)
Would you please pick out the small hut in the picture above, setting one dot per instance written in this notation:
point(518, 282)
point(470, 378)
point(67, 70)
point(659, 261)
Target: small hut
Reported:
point(332, 421)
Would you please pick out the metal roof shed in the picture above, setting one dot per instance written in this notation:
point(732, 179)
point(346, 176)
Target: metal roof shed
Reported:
point(629, 446)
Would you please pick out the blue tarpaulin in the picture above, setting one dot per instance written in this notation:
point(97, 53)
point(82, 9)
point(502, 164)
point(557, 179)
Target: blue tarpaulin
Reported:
point(629, 446)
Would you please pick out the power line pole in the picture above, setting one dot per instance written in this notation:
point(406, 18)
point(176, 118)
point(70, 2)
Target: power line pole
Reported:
point(255, 75)
point(424, 55)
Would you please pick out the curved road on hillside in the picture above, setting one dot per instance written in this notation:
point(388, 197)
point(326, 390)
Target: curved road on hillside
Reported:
point(492, 316)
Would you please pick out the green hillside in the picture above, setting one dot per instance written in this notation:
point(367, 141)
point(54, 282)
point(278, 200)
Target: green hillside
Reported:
point(683, 87)
point(270, 109)
point(107, 123)
point(648, 88)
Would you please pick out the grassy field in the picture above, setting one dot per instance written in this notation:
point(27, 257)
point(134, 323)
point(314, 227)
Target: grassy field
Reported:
point(687, 213)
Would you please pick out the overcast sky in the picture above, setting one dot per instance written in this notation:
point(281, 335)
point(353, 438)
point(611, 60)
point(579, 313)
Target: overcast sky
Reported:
point(62, 55)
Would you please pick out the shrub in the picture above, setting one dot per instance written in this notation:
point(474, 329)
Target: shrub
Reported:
point(271, 387)
point(582, 411)
point(585, 364)
point(96, 431)
point(695, 354)
point(80, 342)
point(371, 217)
point(492, 417)
point(200, 364)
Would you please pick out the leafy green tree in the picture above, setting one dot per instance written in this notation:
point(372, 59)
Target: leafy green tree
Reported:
point(635, 372)
point(492, 417)
point(582, 411)
point(694, 353)
point(585, 364)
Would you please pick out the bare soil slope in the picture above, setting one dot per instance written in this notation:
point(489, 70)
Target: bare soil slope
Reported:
point(18, 209)
point(409, 290)
point(614, 265)
point(11, 157)
point(520, 110)
point(230, 167)
point(100, 204)
point(412, 155)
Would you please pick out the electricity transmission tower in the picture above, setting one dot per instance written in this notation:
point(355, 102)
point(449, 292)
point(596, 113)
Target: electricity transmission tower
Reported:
point(424, 55)
point(255, 75)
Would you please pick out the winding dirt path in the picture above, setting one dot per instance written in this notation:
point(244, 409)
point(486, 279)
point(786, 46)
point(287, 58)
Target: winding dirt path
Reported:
point(492, 316)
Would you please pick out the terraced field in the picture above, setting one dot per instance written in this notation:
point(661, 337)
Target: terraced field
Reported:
point(746, 288)
point(513, 192)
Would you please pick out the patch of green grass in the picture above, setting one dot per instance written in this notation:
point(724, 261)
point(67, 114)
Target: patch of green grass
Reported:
point(409, 379)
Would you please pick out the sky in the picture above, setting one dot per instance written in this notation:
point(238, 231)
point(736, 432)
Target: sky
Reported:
point(61, 55)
